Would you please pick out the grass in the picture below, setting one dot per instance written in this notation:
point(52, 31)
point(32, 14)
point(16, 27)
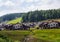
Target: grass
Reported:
point(15, 36)
point(51, 19)
point(45, 35)
point(15, 21)
point(52, 35)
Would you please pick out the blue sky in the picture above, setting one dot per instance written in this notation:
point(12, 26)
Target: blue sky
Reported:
point(17, 6)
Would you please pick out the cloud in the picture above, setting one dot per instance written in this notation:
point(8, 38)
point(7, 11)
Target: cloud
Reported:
point(9, 11)
point(12, 6)
point(9, 3)
point(28, 1)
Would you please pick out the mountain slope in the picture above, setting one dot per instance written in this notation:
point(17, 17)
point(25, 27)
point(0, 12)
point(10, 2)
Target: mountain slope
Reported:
point(33, 16)
point(10, 16)
point(14, 21)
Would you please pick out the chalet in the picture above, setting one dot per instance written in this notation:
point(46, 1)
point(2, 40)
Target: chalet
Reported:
point(49, 25)
point(31, 25)
point(28, 25)
point(8, 26)
point(1, 27)
point(53, 25)
point(25, 27)
point(43, 25)
point(21, 26)
point(17, 27)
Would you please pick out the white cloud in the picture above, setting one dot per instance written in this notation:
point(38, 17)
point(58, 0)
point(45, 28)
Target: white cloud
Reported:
point(9, 11)
point(29, 1)
point(9, 3)
point(27, 5)
point(45, 4)
point(45, 1)
point(0, 0)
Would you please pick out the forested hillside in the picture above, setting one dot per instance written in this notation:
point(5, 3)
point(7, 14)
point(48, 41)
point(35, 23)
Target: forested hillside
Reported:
point(37, 15)
point(33, 16)
point(10, 16)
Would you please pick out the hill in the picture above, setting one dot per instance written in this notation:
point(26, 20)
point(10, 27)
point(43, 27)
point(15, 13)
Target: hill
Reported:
point(33, 16)
point(14, 21)
point(39, 15)
point(10, 16)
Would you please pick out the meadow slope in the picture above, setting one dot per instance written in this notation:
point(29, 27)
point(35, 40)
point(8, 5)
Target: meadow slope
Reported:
point(13, 36)
point(45, 35)
point(17, 20)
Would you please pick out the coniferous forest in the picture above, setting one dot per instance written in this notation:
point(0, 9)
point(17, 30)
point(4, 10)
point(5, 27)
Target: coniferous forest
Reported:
point(33, 16)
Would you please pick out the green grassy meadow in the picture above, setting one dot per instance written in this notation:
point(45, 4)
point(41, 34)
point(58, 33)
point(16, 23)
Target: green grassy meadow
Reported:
point(45, 35)
point(13, 36)
point(48, 35)
point(15, 21)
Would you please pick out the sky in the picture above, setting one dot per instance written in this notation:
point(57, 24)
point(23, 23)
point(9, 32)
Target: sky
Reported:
point(18, 6)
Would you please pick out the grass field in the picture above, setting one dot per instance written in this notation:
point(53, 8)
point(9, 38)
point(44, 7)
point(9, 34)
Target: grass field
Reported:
point(15, 21)
point(48, 35)
point(13, 36)
point(51, 19)
point(45, 35)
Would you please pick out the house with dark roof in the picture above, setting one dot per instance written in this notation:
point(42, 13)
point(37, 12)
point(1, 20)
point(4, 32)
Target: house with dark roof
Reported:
point(1, 27)
point(49, 25)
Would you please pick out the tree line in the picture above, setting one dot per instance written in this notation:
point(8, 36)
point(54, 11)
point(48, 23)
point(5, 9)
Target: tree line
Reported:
point(35, 16)
point(10, 16)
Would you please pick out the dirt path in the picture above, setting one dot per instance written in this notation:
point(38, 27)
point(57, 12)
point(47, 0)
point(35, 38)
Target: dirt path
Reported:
point(29, 39)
